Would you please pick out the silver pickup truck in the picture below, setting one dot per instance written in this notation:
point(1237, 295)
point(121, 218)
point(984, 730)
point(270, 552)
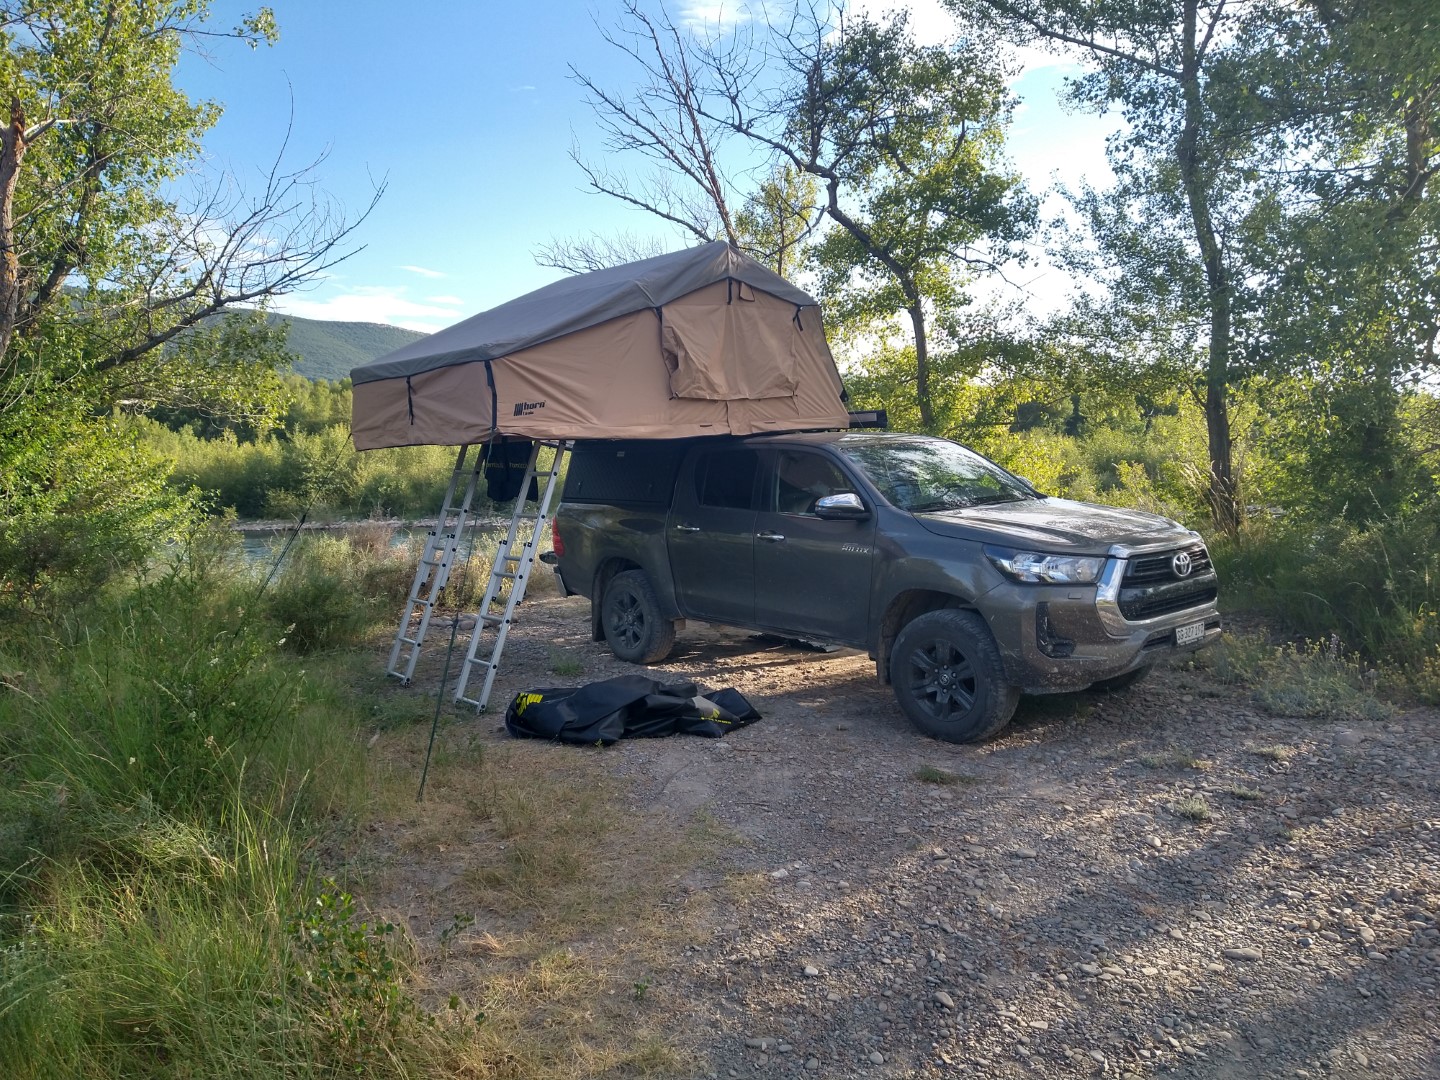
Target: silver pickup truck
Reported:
point(966, 585)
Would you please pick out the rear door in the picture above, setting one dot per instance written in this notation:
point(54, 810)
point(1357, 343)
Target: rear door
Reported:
point(711, 535)
point(812, 577)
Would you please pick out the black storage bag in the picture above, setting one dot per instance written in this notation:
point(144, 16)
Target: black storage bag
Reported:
point(629, 706)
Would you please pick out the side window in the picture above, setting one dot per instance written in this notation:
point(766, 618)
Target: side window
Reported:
point(802, 479)
point(726, 478)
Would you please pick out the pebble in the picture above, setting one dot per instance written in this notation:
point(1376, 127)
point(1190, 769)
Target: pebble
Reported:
point(943, 999)
point(877, 1058)
point(811, 971)
point(1247, 952)
point(1025, 853)
point(812, 1064)
point(780, 874)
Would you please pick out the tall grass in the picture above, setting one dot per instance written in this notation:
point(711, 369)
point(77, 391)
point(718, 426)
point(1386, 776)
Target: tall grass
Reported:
point(169, 757)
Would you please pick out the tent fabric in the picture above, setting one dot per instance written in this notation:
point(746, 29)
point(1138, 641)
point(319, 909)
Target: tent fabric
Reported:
point(628, 706)
point(699, 342)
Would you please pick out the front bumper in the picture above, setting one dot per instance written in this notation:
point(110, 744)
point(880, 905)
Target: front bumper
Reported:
point(1060, 638)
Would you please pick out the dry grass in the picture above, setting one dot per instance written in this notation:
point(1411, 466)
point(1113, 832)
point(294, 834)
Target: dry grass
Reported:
point(1275, 752)
point(577, 899)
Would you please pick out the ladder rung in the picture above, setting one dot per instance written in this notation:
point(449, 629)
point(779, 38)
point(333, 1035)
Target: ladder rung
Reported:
point(410, 641)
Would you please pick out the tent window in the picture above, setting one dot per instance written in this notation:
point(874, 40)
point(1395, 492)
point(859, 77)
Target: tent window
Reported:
point(726, 478)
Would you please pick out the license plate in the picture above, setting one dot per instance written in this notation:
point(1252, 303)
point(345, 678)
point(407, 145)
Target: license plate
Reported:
point(1189, 635)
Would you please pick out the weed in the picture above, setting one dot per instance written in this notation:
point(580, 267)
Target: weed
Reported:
point(1171, 757)
point(640, 989)
point(1193, 807)
point(566, 663)
point(458, 925)
point(930, 774)
point(1245, 793)
point(1275, 751)
point(348, 972)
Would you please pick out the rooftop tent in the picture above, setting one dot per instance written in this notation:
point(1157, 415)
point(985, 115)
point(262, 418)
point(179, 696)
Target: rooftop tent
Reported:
point(705, 341)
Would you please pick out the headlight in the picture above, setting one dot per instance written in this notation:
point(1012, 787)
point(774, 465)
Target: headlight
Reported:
point(1036, 566)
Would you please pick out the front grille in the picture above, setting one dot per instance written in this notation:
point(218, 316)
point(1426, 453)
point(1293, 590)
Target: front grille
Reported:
point(1153, 569)
point(1164, 599)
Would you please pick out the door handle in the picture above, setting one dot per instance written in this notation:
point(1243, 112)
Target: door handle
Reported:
point(769, 537)
point(687, 528)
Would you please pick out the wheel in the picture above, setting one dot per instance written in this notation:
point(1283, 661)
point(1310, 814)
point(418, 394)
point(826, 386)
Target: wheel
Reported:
point(631, 620)
point(1120, 682)
point(949, 678)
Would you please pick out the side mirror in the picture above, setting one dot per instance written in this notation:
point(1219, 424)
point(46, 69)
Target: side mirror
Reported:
point(845, 506)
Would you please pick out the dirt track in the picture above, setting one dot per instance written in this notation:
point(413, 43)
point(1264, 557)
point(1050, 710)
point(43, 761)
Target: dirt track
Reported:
point(1049, 904)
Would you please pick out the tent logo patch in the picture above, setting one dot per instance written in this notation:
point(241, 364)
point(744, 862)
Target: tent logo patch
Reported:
point(525, 408)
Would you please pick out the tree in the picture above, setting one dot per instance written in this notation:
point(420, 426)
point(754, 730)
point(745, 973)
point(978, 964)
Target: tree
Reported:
point(1158, 62)
point(905, 142)
point(118, 259)
point(664, 121)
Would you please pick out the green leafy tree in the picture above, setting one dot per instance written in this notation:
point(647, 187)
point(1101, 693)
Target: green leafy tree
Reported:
point(118, 254)
point(1183, 182)
point(905, 143)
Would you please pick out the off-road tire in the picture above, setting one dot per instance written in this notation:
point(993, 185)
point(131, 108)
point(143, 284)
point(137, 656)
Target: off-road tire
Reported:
point(949, 678)
point(631, 620)
point(1120, 682)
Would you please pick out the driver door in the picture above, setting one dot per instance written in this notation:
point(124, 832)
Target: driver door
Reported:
point(812, 576)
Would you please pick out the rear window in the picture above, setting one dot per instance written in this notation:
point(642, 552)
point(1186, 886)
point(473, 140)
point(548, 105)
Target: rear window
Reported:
point(726, 478)
point(623, 472)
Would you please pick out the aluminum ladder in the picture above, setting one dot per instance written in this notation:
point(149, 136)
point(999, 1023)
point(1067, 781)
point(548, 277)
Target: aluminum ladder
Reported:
point(512, 565)
point(431, 576)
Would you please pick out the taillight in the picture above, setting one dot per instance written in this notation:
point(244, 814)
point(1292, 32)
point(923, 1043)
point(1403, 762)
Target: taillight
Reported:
point(555, 541)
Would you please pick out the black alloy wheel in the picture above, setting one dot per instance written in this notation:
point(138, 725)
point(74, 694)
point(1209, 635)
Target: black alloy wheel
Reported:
point(949, 678)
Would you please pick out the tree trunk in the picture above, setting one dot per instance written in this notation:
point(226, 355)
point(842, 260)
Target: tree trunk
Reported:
point(12, 152)
point(1224, 503)
point(922, 366)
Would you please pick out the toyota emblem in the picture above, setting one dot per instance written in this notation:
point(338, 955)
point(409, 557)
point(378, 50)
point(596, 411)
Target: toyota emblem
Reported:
point(1182, 564)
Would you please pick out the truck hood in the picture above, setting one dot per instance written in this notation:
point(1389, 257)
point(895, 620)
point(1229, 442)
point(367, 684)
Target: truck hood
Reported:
point(1059, 526)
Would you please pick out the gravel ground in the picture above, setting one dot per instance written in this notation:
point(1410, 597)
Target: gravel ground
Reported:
point(1162, 882)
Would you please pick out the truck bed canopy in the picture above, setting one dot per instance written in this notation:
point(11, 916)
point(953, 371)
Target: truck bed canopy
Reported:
point(705, 341)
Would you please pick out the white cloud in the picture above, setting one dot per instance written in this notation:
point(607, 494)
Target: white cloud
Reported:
point(444, 300)
point(525, 89)
point(423, 272)
point(710, 17)
point(372, 303)
point(929, 20)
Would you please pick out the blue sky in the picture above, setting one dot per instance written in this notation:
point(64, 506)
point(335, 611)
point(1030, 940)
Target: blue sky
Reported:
point(466, 111)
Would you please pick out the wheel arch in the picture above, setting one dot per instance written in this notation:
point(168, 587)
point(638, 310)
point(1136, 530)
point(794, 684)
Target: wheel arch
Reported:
point(904, 607)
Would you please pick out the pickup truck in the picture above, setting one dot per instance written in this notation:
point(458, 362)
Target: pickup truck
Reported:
point(965, 584)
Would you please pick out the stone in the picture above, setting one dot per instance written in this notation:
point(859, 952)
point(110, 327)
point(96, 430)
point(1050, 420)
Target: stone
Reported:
point(811, 971)
point(943, 999)
point(1245, 952)
point(877, 1058)
point(812, 1064)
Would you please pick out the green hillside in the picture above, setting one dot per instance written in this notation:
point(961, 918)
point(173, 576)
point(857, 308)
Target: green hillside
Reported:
point(328, 350)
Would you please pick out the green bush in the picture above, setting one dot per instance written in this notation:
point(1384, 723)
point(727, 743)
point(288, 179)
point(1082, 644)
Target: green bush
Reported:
point(1375, 588)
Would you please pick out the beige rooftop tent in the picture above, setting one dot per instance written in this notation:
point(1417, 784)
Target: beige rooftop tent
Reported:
point(705, 341)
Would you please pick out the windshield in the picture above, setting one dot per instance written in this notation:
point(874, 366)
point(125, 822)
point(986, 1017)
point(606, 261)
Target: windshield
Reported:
point(934, 474)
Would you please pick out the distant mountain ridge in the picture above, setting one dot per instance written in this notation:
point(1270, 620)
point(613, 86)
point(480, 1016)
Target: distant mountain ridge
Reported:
point(328, 350)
